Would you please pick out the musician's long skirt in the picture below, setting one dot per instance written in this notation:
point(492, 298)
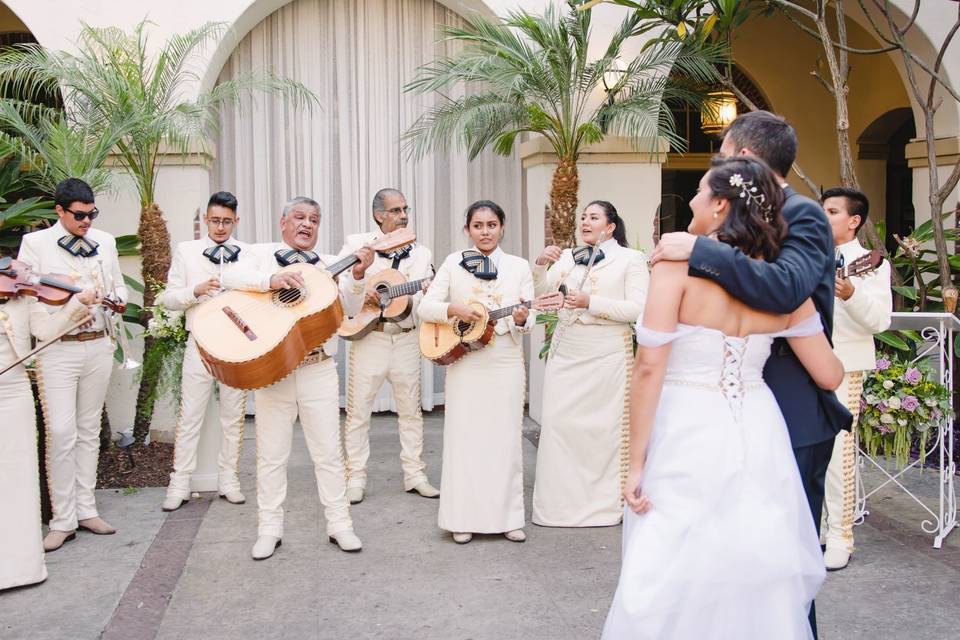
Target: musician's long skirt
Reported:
point(585, 431)
point(21, 539)
point(482, 479)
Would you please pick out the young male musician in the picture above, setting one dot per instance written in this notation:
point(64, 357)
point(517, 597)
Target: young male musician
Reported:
point(863, 307)
point(311, 391)
point(194, 277)
point(74, 373)
point(390, 352)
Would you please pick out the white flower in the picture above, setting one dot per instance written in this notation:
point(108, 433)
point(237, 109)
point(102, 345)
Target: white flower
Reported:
point(888, 384)
point(886, 418)
point(736, 180)
point(872, 399)
point(930, 402)
point(902, 422)
point(894, 402)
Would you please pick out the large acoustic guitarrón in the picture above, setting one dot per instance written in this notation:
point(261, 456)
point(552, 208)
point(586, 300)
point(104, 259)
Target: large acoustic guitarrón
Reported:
point(249, 339)
point(446, 342)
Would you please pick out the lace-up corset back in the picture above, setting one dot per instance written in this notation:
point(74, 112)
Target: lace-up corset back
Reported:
point(707, 358)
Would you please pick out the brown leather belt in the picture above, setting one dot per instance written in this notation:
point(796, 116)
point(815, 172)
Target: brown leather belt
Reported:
point(380, 327)
point(84, 336)
point(313, 358)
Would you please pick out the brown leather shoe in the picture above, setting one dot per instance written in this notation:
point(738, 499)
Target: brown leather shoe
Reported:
point(96, 525)
point(55, 539)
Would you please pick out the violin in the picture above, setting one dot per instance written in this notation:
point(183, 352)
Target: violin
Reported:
point(17, 278)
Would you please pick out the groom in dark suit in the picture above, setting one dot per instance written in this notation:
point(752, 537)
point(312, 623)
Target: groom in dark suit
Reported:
point(805, 268)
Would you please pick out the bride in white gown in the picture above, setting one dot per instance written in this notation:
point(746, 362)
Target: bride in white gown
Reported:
point(718, 542)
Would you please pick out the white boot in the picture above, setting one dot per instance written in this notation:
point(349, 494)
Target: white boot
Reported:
point(426, 490)
point(347, 540)
point(355, 495)
point(172, 503)
point(233, 496)
point(835, 558)
point(265, 546)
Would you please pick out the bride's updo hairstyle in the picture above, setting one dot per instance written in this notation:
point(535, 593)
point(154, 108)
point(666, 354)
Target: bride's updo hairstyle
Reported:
point(753, 223)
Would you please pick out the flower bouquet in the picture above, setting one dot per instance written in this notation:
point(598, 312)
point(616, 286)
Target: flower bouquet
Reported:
point(164, 362)
point(901, 403)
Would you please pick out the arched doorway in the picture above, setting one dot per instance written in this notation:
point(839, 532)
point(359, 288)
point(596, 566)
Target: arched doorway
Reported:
point(881, 148)
point(683, 169)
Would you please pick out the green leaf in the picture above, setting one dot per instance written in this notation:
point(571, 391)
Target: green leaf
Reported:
point(906, 292)
point(128, 245)
point(136, 285)
point(892, 339)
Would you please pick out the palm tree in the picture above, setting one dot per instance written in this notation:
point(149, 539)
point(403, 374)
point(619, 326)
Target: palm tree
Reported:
point(531, 73)
point(114, 78)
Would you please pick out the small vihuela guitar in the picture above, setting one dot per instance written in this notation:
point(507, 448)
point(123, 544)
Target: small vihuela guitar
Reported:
point(252, 339)
point(447, 342)
point(861, 266)
point(395, 303)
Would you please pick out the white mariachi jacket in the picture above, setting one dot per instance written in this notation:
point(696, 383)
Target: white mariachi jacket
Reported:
point(190, 268)
point(40, 250)
point(617, 285)
point(21, 317)
point(453, 283)
point(418, 265)
point(867, 312)
point(254, 275)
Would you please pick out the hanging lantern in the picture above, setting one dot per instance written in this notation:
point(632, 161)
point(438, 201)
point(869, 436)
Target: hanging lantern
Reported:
point(719, 110)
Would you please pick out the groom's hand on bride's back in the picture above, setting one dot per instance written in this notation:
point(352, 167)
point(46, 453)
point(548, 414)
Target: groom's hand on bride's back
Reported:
point(676, 247)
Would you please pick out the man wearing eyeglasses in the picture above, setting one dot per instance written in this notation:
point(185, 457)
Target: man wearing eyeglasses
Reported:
point(389, 352)
point(74, 373)
point(195, 275)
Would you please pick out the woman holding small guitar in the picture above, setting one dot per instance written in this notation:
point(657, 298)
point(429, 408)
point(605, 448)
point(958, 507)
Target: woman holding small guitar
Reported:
point(482, 477)
point(21, 539)
point(584, 437)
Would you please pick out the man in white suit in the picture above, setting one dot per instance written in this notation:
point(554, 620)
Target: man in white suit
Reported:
point(863, 307)
point(389, 352)
point(195, 274)
point(310, 392)
point(73, 374)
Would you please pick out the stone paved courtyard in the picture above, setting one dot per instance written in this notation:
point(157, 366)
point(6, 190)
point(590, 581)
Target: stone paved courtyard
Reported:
point(188, 575)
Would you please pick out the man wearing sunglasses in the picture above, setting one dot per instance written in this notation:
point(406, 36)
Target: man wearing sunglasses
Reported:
point(195, 273)
point(74, 373)
point(389, 352)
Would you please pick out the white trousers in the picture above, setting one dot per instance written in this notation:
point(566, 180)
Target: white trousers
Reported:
point(195, 392)
point(312, 393)
point(73, 378)
point(839, 496)
point(379, 356)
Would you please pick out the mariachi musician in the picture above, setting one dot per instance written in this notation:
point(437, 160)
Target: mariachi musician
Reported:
point(311, 391)
point(389, 352)
point(194, 277)
point(21, 537)
point(73, 374)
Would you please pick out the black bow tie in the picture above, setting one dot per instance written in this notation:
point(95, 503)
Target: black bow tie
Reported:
point(286, 257)
point(397, 255)
point(479, 265)
point(78, 246)
point(581, 255)
point(222, 253)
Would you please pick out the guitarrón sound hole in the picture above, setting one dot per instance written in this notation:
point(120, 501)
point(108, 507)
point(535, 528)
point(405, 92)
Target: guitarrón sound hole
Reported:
point(288, 297)
point(462, 327)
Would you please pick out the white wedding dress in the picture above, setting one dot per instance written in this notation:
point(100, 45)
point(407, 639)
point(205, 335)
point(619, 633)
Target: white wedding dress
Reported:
point(728, 549)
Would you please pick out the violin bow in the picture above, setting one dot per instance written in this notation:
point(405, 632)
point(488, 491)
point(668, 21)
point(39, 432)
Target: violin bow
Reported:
point(43, 345)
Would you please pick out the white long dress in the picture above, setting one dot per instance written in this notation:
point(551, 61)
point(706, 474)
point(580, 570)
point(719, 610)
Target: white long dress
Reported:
point(728, 550)
point(481, 483)
point(584, 433)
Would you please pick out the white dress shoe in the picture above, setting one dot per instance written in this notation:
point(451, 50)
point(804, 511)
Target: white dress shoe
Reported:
point(265, 546)
point(835, 559)
point(462, 538)
point(172, 503)
point(426, 489)
point(233, 496)
point(355, 495)
point(347, 540)
point(517, 535)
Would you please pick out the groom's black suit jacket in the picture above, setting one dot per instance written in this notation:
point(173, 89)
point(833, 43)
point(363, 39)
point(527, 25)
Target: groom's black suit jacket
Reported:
point(805, 268)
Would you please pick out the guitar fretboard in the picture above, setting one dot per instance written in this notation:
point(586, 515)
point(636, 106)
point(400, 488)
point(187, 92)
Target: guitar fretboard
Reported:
point(506, 311)
point(405, 288)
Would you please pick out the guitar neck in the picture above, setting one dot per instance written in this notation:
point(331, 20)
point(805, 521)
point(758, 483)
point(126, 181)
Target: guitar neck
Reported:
point(405, 288)
point(506, 311)
point(340, 266)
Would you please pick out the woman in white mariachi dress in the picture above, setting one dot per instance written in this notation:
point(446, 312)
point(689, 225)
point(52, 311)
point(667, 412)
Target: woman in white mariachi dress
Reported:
point(21, 540)
point(482, 477)
point(581, 458)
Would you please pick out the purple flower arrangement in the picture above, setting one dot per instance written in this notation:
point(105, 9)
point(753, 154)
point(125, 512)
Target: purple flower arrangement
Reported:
point(901, 403)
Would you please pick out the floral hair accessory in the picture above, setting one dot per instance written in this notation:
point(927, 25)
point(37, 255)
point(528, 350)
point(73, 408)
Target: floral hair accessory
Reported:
point(749, 192)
